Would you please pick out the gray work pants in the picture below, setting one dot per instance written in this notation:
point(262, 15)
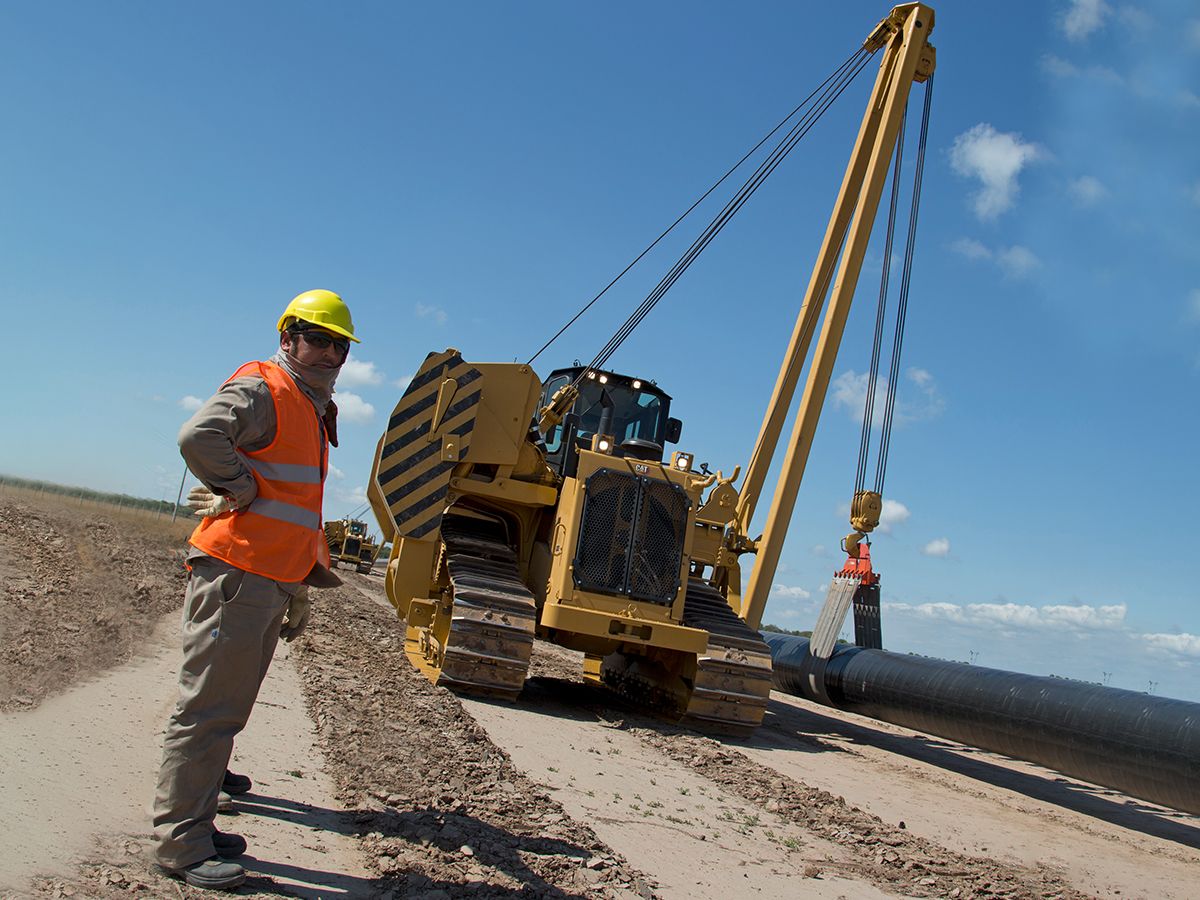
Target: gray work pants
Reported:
point(231, 625)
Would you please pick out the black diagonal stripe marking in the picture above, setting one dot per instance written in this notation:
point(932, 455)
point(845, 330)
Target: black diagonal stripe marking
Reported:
point(445, 367)
point(405, 464)
point(421, 505)
point(404, 440)
point(400, 467)
point(426, 527)
point(419, 481)
point(453, 362)
point(391, 450)
point(403, 415)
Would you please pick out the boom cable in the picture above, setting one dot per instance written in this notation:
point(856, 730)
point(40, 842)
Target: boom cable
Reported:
point(834, 87)
point(891, 386)
point(852, 65)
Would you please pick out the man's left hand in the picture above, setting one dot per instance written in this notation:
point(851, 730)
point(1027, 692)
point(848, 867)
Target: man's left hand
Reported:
point(207, 504)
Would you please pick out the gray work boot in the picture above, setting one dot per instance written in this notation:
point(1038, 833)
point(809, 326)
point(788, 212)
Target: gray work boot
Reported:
point(235, 784)
point(213, 873)
point(228, 845)
point(224, 803)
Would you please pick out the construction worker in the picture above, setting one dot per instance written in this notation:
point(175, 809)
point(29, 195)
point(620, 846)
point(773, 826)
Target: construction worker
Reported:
point(260, 445)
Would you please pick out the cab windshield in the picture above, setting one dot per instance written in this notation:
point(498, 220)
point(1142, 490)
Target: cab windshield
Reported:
point(635, 413)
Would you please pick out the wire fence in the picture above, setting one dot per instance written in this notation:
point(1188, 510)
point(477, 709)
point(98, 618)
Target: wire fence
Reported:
point(88, 497)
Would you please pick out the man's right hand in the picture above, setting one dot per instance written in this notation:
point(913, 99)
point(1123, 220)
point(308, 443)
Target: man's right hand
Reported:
point(207, 504)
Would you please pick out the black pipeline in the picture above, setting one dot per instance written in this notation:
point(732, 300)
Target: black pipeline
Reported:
point(1145, 746)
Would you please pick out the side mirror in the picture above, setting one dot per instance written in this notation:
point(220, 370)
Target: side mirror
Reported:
point(674, 430)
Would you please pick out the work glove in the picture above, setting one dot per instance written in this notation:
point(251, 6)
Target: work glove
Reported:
point(207, 504)
point(296, 617)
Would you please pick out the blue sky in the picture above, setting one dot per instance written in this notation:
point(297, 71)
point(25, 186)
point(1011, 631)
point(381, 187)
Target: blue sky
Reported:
point(470, 174)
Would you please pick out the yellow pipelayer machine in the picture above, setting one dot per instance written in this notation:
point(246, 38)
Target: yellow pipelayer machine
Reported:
point(518, 507)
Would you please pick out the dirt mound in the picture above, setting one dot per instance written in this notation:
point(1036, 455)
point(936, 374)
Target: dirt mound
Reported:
point(79, 590)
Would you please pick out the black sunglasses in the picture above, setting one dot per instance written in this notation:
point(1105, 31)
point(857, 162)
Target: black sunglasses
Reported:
point(323, 341)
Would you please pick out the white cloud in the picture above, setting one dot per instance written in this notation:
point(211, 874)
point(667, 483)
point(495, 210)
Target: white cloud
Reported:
point(1087, 191)
point(1193, 305)
point(789, 592)
point(1061, 68)
point(1015, 261)
point(353, 408)
point(1194, 193)
point(403, 381)
point(971, 249)
point(1193, 34)
point(190, 403)
point(937, 547)
point(336, 472)
point(996, 160)
point(1187, 99)
point(894, 513)
point(849, 392)
point(1173, 644)
point(435, 313)
point(820, 551)
point(931, 403)
point(358, 373)
point(1016, 615)
point(1083, 18)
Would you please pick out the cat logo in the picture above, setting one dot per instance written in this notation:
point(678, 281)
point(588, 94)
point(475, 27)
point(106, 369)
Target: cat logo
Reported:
point(641, 468)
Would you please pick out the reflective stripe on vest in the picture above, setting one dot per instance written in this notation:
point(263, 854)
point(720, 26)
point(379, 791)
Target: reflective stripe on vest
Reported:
point(300, 474)
point(279, 534)
point(285, 512)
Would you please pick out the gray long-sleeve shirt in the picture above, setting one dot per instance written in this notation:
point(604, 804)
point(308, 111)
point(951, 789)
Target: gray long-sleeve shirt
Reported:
point(240, 416)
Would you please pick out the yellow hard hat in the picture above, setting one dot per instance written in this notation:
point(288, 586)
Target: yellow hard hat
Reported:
point(323, 308)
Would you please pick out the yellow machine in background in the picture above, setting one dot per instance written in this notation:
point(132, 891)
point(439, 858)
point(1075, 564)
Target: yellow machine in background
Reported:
point(351, 543)
point(519, 508)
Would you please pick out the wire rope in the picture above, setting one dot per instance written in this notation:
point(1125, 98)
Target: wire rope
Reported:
point(837, 74)
point(765, 169)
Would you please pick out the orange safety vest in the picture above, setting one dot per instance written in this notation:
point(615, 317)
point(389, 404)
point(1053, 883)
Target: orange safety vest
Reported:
point(279, 535)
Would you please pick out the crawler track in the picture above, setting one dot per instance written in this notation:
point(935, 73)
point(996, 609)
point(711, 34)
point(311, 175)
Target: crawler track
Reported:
point(732, 682)
point(733, 675)
point(492, 619)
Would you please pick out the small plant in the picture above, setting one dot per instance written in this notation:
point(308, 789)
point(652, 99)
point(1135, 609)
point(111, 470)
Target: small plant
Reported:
point(552, 768)
point(295, 773)
point(683, 791)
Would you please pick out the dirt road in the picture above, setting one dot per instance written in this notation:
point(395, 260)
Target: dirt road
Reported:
point(372, 783)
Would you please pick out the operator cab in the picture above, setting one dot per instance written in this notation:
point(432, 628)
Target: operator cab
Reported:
point(639, 410)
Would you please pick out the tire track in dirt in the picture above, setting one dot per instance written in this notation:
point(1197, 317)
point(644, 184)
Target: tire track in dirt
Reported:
point(442, 811)
point(871, 851)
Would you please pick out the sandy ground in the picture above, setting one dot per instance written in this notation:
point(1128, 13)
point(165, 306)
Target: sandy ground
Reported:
point(369, 782)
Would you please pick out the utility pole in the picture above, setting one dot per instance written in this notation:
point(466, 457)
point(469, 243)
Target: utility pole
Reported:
point(179, 496)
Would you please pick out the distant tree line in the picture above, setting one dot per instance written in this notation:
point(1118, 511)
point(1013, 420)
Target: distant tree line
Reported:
point(82, 493)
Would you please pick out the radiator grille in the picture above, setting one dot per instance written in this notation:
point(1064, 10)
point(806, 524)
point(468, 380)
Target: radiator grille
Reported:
point(352, 546)
point(631, 536)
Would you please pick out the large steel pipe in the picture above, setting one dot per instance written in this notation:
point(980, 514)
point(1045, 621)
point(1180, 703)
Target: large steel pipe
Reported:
point(1145, 746)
